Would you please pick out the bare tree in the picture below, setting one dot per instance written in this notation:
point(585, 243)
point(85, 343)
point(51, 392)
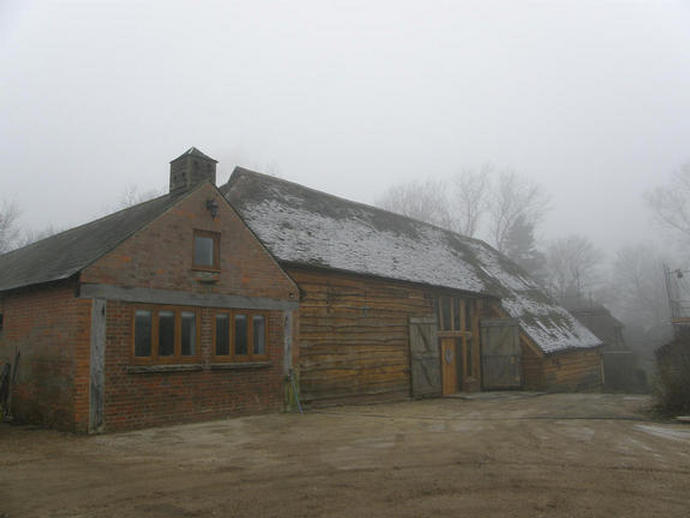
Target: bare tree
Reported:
point(514, 196)
point(469, 201)
point(572, 267)
point(426, 201)
point(504, 197)
point(132, 196)
point(671, 203)
point(9, 230)
point(521, 247)
point(636, 293)
point(637, 286)
point(29, 236)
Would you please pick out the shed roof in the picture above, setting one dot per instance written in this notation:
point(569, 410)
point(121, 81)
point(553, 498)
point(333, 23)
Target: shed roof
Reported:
point(62, 255)
point(601, 322)
point(303, 226)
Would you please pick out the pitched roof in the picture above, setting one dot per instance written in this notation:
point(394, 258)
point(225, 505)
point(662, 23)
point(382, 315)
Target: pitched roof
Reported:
point(192, 151)
point(62, 255)
point(303, 226)
point(602, 323)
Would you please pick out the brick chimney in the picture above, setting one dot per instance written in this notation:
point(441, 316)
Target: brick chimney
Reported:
point(191, 168)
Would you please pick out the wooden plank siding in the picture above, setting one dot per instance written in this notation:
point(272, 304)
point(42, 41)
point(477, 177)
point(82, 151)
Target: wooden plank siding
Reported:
point(532, 366)
point(354, 335)
point(568, 371)
point(354, 343)
point(575, 370)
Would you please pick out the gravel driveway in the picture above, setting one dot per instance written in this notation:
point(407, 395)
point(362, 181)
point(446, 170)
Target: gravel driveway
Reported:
point(495, 454)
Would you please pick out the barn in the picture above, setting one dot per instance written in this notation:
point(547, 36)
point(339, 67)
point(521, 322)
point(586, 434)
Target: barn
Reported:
point(200, 303)
point(392, 307)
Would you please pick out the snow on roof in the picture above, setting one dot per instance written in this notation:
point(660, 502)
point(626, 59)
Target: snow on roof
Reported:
point(548, 324)
point(304, 226)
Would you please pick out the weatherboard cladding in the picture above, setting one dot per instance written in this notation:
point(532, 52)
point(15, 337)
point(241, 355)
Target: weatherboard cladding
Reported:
point(304, 226)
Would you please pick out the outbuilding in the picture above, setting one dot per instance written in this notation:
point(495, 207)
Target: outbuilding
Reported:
point(392, 307)
point(201, 303)
point(165, 312)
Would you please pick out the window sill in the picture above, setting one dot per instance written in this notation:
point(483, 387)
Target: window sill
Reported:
point(208, 269)
point(145, 369)
point(240, 365)
point(206, 276)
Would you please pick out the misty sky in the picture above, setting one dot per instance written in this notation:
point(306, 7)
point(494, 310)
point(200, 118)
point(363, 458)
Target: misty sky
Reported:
point(590, 99)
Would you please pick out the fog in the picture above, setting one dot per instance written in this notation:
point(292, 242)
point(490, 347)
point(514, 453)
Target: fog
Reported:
point(589, 99)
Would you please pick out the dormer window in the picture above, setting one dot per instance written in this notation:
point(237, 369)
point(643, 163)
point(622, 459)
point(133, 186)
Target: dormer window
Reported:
point(206, 250)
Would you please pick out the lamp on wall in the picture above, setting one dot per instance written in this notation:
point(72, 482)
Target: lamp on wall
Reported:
point(212, 207)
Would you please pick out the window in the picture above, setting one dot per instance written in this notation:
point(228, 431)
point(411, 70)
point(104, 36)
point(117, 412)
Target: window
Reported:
point(445, 313)
point(142, 333)
point(240, 336)
point(222, 334)
point(165, 334)
point(1, 323)
point(455, 314)
point(206, 250)
point(188, 335)
point(456, 320)
point(259, 327)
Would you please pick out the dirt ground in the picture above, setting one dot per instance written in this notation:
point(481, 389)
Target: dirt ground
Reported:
point(492, 455)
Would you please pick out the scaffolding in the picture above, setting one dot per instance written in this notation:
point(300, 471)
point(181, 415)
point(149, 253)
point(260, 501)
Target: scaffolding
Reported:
point(678, 293)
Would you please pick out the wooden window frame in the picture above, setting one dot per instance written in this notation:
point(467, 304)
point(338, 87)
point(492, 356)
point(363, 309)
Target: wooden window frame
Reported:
point(176, 357)
point(232, 356)
point(215, 267)
point(460, 304)
point(468, 332)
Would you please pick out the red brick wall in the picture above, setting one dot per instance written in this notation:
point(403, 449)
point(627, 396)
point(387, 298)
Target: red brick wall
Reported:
point(160, 255)
point(51, 329)
point(135, 400)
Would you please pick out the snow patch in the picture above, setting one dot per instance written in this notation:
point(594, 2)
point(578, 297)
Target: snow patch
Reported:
point(665, 433)
point(303, 226)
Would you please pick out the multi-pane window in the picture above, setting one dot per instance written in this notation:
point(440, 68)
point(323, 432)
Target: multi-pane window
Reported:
point(240, 336)
point(455, 314)
point(456, 320)
point(165, 334)
point(206, 250)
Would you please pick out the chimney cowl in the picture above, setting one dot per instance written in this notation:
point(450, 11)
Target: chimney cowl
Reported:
point(190, 169)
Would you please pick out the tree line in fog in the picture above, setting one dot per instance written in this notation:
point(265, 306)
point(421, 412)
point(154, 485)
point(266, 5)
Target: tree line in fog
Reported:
point(506, 209)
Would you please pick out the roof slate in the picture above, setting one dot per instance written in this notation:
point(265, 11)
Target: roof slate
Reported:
point(602, 323)
point(62, 255)
point(303, 226)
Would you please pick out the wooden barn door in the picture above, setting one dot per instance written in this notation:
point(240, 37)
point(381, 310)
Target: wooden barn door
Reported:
point(501, 355)
point(425, 363)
